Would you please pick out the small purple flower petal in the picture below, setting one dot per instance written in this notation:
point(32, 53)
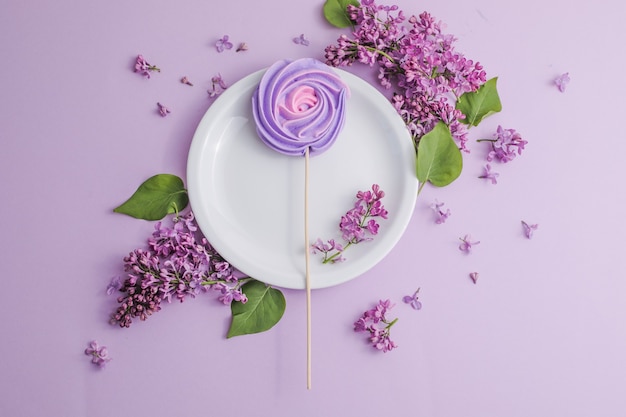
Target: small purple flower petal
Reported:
point(115, 285)
point(412, 300)
point(301, 40)
point(223, 44)
point(217, 86)
point(529, 229)
point(466, 244)
point(561, 82)
point(442, 216)
point(99, 354)
point(474, 276)
point(490, 175)
point(163, 111)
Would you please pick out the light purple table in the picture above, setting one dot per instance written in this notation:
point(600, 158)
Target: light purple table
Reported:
point(540, 334)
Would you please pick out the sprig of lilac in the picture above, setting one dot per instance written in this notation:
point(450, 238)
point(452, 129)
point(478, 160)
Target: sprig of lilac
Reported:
point(356, 226)
point(176, 265)
point(505, 145)
point(375, 322)
point(416, 59)
point(143, 67)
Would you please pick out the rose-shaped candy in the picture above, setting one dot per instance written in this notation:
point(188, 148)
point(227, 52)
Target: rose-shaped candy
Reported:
point(298, 105)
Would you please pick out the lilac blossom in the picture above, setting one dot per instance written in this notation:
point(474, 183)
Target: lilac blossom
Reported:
point(375, 322)
point(529, 229)
point(143, 67)
point(301, 40)
point(114, 285)
point(466, 244)
point(474, 277)
point(177, 264)
point(242, 47)
point(356, 226)
point(223, 43)
point(413, 300)
point(186, 81)
point(415, 58)
point(562, 81)
point(217, 86)
point(490, 175)
point(99, 354)
point(442, 216)
point(505, 145)
point(163, 111)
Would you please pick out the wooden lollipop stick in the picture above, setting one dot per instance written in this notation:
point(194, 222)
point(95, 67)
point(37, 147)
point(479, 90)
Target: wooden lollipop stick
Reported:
point(308, 274)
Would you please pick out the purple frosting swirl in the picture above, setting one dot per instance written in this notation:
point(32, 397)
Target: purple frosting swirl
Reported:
point(299, 104)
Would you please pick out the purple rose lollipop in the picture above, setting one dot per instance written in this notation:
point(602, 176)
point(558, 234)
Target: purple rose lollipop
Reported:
point(298, 105)
point(299, 109)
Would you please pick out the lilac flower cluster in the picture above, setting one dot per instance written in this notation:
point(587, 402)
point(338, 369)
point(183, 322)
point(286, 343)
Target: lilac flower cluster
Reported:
point(143, 67)
point(99, 354)
point(356, 226)
point(418, 59)
point(175, 265)
point(375, 322)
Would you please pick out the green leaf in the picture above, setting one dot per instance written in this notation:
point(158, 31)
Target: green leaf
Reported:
point(264, 308)
point(481, 103)
point(336, 12)
point(157, 197)
point(439, 159)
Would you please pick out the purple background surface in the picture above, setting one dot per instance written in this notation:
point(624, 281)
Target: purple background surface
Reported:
point(542, 333)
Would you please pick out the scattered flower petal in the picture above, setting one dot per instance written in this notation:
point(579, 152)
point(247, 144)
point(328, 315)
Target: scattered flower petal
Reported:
point(223, 44)
point(375, 322)
point(466, 244)
point(412, 300)
point(529, 229)
point(442, 216)
point(474, 276)
point(99, 354)
point(561, 82)
point(217, 86)
point(490, 175)
point(163, 111)
point(143, 67)
point(115, 284)
point(301, 40)
point(242, 47)
point(186, 81)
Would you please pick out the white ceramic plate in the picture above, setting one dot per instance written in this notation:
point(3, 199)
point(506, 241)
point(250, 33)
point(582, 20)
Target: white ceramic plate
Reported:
point(249, 200)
